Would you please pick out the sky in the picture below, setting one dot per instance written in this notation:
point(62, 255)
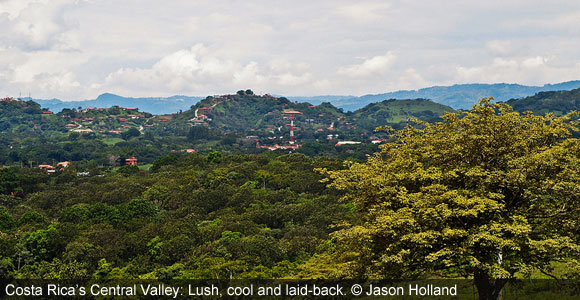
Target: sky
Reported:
point(78, 49)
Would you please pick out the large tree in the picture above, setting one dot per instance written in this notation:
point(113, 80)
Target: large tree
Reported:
point(485, 194)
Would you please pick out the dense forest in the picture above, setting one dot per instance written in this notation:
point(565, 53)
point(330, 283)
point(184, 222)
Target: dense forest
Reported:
point(192, 216)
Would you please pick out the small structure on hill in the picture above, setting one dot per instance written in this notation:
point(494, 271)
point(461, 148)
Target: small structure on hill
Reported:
point(132, 161)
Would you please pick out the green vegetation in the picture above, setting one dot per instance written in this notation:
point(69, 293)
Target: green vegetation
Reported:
point(558, 103)
point(232, 216)
point(486, 194)
point(239, 123)
point(112, 141)
point(443, 197)
point(398, 112)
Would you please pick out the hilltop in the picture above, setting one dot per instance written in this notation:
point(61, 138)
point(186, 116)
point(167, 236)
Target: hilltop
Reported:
point(397, 112)
point(269, 116)
point(26, 119)
point(236, 123)
point(557, 102)
point(241, 122)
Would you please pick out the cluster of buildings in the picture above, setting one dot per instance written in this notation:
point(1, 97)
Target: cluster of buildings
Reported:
point(52, 169)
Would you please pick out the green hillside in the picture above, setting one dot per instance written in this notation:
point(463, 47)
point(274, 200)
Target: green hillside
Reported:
point(19, 119)
point(397, 112)
point(559, 102)
point(246, 112)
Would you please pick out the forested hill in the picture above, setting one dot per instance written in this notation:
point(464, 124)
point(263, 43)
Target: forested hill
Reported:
point(398, 112)
point(27, 118)
point(558, 102)
point(246, 112)
point(458, 96)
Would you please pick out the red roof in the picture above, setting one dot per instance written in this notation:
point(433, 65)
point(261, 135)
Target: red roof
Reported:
point(293, 112)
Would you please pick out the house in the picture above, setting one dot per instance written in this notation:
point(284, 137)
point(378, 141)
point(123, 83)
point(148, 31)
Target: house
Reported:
point(347, 143)
point(63, 164)
point(48, 168)
point(82, 130)
point(132, 161)
point(293, 112)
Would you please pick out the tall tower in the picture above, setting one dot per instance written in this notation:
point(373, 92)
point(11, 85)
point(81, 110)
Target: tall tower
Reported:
point(292, 113)
point(292, 129)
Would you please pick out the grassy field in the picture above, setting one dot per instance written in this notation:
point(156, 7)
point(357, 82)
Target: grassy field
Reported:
point(112, 141)
point(145, 167)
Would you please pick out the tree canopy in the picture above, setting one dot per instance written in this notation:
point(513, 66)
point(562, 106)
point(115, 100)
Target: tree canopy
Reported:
point(488, 194)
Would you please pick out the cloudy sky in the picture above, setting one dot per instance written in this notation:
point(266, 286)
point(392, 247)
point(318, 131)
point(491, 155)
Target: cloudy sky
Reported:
point(78, 49)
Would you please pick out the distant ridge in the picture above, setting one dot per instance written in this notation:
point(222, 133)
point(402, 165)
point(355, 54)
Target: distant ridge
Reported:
point(155, 105)
point(458, 96)
point(556, 102)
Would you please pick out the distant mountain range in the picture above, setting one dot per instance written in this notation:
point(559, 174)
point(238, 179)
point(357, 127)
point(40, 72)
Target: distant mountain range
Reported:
point(155, 105)
point(459, 96)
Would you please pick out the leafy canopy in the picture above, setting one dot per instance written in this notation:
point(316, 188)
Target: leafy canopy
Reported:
point(449, 197)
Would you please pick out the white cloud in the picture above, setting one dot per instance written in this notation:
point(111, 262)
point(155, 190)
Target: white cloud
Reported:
point(76, 49)
point(500, 47)
point(201, 70)
point(289, 79)
point(374, 65)
point(534, 70)
point(534, 62)
point(36, 24)
point(363, 12)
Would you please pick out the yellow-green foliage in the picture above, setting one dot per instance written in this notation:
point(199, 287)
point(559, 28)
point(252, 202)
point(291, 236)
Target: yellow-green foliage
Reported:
point(447, 198)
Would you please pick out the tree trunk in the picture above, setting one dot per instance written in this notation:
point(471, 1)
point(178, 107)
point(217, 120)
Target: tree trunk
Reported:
point(487, 288)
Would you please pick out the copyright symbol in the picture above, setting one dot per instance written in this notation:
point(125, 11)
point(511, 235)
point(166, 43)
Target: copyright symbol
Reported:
point(356, 289)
